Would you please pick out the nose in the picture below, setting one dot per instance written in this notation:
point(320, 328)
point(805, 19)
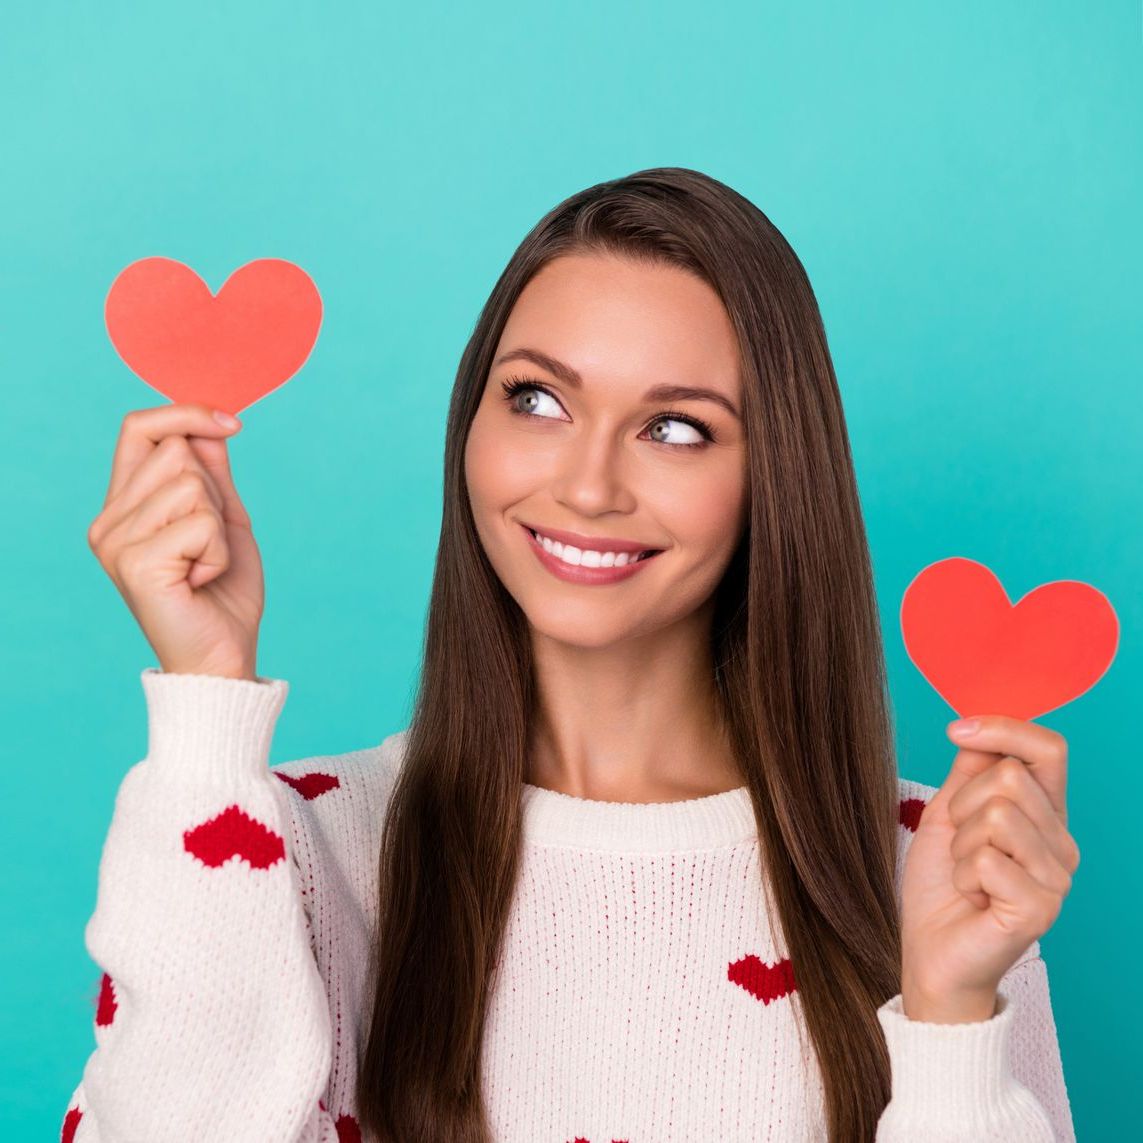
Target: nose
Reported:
point(593, 476)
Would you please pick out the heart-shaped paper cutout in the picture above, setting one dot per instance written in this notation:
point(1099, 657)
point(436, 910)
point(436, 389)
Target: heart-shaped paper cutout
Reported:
point(984, 655)
point(225, 351)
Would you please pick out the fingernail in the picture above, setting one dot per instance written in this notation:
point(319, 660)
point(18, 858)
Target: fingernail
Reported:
point(963, 727)
point(226, 420)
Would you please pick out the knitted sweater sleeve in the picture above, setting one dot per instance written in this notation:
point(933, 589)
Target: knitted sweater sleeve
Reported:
point(999, 1079)
point(213, 1023)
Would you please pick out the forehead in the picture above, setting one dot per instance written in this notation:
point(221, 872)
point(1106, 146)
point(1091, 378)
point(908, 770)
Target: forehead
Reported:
point(621, 321)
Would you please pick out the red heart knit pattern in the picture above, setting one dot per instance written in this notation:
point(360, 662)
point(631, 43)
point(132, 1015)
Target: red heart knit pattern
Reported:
point(764, 981)
point(311, 786)
point(348, 1130)
point(910, 813)
point(105, 1012)
point(234, 832)
point(70, 1125)
point(580, 1139)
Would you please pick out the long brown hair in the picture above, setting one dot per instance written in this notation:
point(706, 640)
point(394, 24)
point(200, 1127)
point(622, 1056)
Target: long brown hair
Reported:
point(800, 671)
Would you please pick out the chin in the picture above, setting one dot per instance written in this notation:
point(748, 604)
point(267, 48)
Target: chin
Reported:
point(589, 628)
point(573, 635)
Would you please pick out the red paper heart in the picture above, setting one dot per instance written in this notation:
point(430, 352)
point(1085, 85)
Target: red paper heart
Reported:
point(224, 351)
point(985, 655)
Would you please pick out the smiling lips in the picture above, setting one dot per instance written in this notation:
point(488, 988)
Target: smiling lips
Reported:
point(590, 543)
point(607, 570)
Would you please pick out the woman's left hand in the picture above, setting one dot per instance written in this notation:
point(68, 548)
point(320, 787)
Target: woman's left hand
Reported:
point(988, 869)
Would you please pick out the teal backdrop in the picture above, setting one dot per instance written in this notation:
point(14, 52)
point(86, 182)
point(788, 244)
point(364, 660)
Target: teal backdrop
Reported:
point(962, 182)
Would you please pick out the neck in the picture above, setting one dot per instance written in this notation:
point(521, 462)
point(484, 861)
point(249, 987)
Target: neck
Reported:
point(637, 722)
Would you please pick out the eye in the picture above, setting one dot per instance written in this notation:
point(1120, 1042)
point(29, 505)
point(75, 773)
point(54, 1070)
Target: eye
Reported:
point(514, 386)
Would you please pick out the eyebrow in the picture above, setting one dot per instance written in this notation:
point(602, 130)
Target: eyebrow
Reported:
point(656, 393)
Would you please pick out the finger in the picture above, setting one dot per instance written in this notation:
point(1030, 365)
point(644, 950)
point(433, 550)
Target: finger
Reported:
point(183, 496)
point(189, 548)
point(1044, 751)
point(165, 464)
point(1004, 824)
point(1021, 904)
point(143, 429)
point(1009, 779)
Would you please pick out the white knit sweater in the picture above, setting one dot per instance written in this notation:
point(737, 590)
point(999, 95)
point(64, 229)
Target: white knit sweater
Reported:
point(643, 995)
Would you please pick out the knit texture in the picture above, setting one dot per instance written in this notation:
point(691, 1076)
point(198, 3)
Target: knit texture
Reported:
point(644, 993)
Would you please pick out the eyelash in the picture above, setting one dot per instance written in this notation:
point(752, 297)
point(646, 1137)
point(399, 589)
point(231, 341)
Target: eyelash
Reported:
point(516, 385)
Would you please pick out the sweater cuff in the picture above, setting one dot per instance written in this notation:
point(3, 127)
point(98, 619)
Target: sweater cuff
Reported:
point(962, 1069)
point(210, 726)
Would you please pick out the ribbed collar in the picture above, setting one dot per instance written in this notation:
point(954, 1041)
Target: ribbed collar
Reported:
point(552, 818)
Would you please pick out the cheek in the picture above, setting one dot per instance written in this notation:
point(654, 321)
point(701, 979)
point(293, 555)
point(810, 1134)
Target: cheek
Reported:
point(500, 469)
point(483, 467)
point(480, 476)
point(474, 466)
point(706, 510)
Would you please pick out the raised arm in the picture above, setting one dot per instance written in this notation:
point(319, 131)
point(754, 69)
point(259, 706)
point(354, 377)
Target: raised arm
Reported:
point(1000, 1079)
point(213, 1022)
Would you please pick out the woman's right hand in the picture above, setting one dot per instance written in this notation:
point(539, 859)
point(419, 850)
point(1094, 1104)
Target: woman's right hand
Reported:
point(176, 541)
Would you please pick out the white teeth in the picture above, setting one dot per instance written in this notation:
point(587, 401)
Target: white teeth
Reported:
point(588, 559)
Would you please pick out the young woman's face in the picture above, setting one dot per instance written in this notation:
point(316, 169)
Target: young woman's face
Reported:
point(600, 458)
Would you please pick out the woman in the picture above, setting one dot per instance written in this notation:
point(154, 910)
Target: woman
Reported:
point(637, 867)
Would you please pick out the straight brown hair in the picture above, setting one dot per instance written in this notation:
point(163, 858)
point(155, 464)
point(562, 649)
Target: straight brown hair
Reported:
point(799, 665)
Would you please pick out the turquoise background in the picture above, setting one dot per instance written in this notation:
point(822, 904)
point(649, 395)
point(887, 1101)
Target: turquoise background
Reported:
point(962, 182)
